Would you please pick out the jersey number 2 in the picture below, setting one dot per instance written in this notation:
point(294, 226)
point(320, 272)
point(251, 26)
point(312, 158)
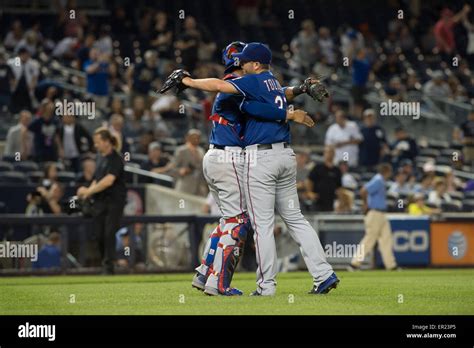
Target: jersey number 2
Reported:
point(279, 101)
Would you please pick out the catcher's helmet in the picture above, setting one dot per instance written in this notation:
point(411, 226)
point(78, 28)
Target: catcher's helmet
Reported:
point(227, 59)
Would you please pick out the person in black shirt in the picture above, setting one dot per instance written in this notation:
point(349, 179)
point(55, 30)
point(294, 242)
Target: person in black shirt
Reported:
point(403, 148)
point(370, 150)
point(157, 162)
point(323, 181)
point(45, 133)
point(109, 193)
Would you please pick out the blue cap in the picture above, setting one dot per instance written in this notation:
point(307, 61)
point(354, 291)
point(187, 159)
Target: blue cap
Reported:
point(255, 52)
point(227, 55)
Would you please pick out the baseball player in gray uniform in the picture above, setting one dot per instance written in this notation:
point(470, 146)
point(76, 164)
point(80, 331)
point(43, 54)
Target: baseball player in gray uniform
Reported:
point(270, 171)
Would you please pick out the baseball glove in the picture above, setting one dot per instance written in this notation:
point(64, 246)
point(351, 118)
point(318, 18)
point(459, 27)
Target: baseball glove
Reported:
point(175, 80)
point(315, 89)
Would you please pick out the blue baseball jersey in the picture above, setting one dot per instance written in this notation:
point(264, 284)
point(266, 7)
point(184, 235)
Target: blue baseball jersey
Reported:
point(227, 106)
point(263, 87)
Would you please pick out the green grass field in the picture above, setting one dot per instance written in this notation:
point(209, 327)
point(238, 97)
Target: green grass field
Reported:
point(368, 292)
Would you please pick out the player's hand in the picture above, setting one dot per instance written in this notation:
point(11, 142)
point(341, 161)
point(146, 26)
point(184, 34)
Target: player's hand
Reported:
point(299, 116)
point(315, 88)
point(175, 80)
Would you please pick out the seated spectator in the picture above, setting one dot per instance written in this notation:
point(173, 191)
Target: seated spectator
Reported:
point(417, 206)
point(391, 67)
point(116, 126)
point(157, 162)
point(50, 254)
point(45, 133)
point(406, 166)
point(143, 77)
point(400, 185)
point(88, 170)
point(439, 195)
point(323, 182)
point(138, 118)
point(453, 183)
point(14, 36)
point(404, 147)
point(348, 181)
point(116, 107)
point(344, 203)
point(43, 201)
point(50, 175)
point(425, 186)
point(436, 87)
point(122, 246)
point(344, 136)
point(19, 138)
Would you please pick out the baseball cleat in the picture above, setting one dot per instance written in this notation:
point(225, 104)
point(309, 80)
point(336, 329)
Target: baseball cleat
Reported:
point(255, 293)
point(199, 281)
point(210, 291)
point(326, 286)
point(232, 292)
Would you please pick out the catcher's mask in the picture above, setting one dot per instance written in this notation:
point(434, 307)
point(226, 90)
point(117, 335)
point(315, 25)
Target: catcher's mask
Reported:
point(227, 59)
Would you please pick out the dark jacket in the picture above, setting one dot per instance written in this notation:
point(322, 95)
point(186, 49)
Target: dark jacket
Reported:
point(82, 137)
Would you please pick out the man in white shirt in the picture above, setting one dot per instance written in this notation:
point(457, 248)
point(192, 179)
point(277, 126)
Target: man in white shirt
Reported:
point(19, 138)
point(345, 137)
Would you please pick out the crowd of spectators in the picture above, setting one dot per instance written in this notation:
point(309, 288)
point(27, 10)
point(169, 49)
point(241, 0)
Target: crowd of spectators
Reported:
point(122, 61)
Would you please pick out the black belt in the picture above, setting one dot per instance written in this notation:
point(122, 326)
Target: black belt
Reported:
point(219, 147)
point(270, 146)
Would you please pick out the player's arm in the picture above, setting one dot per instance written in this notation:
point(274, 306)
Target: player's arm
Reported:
point(291, 92)
point(210, 85)
point(268, 112)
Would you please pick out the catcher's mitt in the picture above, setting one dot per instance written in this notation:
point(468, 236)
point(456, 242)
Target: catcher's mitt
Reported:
point(315, 89)
point(175, 80)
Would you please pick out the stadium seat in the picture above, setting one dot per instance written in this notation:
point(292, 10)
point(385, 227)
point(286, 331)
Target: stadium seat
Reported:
point(449, 152)
point(457, 195)
point(5, 166)
point(138, 158)
point(429, 152)
point(66, 177)
point(7, 158)
point(444, 160)
point(453, 207)
point(469, 195)
point(13, 177)
point(26, 166)
point(35, 176)
point(468, 205)
point(438, 144)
